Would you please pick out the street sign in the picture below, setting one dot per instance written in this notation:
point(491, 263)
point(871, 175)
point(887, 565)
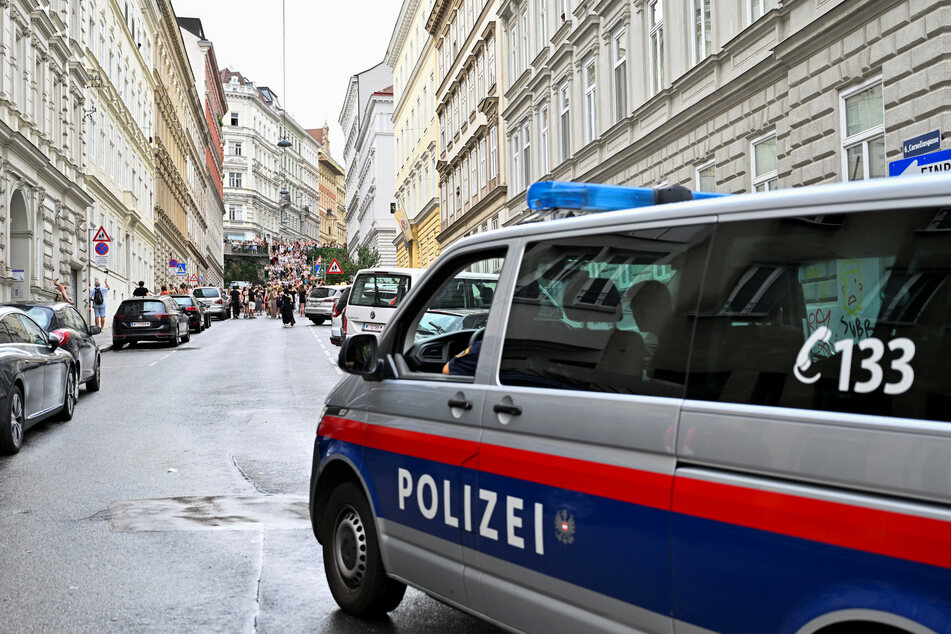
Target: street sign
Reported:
point(317, 269)
point(922, 144)
point(180, 269)
point(934, 163)
point(193, 279)
point(335, 268)
point(101, 258)
point(102, 248)
point(320, 259)
point(313, 278)
point(172, 263)
point(201, 278)
point(101, 236)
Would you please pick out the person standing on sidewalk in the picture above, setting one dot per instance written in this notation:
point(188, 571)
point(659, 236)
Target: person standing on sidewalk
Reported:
point(140, 290)
point(98, 299)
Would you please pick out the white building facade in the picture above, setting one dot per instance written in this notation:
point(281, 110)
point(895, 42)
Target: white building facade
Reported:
point(729, 97)
point(367, 122)
point(44, 233)
point(119, 164)
point(269, 191)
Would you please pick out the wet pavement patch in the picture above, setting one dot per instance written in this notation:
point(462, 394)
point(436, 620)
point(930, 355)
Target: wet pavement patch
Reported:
point(214, 512)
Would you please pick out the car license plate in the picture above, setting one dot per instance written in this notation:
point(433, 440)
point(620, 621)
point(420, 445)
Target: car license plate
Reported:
point(141, 324)
point(373, 327)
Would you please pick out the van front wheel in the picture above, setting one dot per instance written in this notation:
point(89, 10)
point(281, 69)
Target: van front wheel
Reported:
point(352, 559)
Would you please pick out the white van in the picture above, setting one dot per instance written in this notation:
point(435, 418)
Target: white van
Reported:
point(375, 295)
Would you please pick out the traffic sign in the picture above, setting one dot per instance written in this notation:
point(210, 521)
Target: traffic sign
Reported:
point(172, 263)
point(180, 269)
point(335, 268)
point(193, 279)
point(317, 269)
point(102, 248)
point(320, 259)
point(933, 163)
point(101, 236)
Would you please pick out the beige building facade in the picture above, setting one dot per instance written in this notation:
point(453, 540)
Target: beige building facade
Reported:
point(731, 97)
point(469, 81)
point(412, 57)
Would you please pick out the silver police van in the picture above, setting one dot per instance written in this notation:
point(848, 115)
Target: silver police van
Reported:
point(724, 415)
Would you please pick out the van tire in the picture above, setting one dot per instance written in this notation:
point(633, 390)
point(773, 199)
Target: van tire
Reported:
point(352, 560)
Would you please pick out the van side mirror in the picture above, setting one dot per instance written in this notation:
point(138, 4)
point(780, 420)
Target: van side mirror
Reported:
point(358, 355)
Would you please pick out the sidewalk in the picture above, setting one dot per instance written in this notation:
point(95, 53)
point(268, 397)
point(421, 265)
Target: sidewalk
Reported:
point(104, 338)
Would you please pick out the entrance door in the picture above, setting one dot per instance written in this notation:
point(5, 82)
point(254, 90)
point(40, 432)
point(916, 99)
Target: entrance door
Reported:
point(21, 241)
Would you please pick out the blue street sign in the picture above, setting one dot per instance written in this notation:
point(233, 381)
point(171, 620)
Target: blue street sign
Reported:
point(922, 144)
point(180, 269)
point(201, 278)
point(934, 163)
point(316, 269)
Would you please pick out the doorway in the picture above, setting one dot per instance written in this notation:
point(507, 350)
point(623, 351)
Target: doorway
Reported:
point(21, 241)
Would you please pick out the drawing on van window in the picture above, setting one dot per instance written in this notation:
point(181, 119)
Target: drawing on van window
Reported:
point(850, 314)
point(379, 290)
point(607, 313)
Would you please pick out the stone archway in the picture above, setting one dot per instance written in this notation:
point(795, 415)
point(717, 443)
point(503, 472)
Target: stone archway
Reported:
point(21, 243)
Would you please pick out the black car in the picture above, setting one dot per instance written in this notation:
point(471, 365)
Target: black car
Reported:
point(76, 336)
point(37, 377)
point(149, 319)
point(198, 317)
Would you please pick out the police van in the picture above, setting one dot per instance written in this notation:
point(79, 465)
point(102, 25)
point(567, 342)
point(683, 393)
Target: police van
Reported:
point(728, 415)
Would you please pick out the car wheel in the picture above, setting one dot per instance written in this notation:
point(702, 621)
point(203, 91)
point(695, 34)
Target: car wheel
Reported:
point(95, 381)
point(352, 559)
point(70, 398)
point(11, 427)
point(177, 339)
point(117, 345)
point(187, 337)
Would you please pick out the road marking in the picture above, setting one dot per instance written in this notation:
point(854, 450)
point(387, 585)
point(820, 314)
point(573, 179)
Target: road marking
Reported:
point(160, 359)
point(330, 357)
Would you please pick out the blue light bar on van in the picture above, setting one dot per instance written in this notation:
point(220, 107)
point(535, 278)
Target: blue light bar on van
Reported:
point(591, 197)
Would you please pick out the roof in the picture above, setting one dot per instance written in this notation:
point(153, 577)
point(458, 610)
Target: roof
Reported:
point(317, 133)
point(193, 26)
point(388, 91)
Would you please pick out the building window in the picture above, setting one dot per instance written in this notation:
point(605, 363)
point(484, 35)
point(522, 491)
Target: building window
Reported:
point(459, 188)
point(234, 179)
point(480, 68)
point(491, 61)
point(565, 118)
point(526, 154)
point(234, 118)
point(656, 11)
point(472, 98)
point(514, 154)
point(758, 8)
point(464, 94)
point(863, 114)
point(543, 148)
point(482, 160)
point(92, 128)
point(493, 152)
point(474, 176)
point(620, 75)
point(234, 213)
point(513, 49)
point(702, 25)
point(590, 101)
point(465, 178)
point(542, 23)
point(442, 132)
point(236, 148)
point(706, 177)
point(765, 163)
point(524, 59)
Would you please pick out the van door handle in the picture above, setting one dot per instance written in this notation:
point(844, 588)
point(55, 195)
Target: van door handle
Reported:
point(461, 403)
point(514, 410)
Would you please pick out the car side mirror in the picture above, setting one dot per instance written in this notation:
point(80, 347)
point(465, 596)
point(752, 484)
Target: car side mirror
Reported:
point(53, 342)
point(358, 355)
point(94, 330)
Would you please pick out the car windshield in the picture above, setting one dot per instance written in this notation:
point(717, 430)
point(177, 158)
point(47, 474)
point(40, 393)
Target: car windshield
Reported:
point(183, 301)
point(379, 290)
point(206, 293)
point(139, 308)
point(435, 322)
point(41, 315)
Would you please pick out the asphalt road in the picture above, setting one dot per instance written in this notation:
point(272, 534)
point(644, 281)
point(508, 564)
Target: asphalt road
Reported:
point(175, 500)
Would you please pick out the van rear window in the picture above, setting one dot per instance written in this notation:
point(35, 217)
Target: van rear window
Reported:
point(379, 290)
point(206, 293)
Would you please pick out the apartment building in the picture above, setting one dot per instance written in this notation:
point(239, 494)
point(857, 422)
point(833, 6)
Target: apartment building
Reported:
point(469, 78)
point(411, 56)
point(332, 193)
point(725, 96)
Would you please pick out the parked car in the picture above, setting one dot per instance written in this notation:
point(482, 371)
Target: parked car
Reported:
point(216, 305)
point(149, 319)
point(63, 319)
point(320, 302)
point(338, 320)
point(198, 318)
point(375, 295)
point(37, 377)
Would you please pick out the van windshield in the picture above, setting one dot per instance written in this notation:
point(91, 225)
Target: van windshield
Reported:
point(379, 290)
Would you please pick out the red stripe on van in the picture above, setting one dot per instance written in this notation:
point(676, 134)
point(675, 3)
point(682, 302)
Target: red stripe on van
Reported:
point(909, 537)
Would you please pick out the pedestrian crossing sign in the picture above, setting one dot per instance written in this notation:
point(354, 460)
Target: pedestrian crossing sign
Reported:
point(101, 236)
point(180, 269)
point(335, 268)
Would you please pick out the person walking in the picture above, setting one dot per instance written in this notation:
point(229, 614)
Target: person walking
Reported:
point(140, 290)
point(235, 302)
point(98, 299)
point(302, 292)
point(287, 307)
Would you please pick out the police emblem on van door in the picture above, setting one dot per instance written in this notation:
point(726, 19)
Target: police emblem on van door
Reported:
point(564, 527)
point(372, 315)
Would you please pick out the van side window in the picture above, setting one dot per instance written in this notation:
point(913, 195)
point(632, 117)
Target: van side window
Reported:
point(606, 313)
point(846, 313)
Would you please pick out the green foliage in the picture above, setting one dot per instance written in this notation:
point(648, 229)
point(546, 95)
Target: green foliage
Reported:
point(238, 268)
point(366, 257)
